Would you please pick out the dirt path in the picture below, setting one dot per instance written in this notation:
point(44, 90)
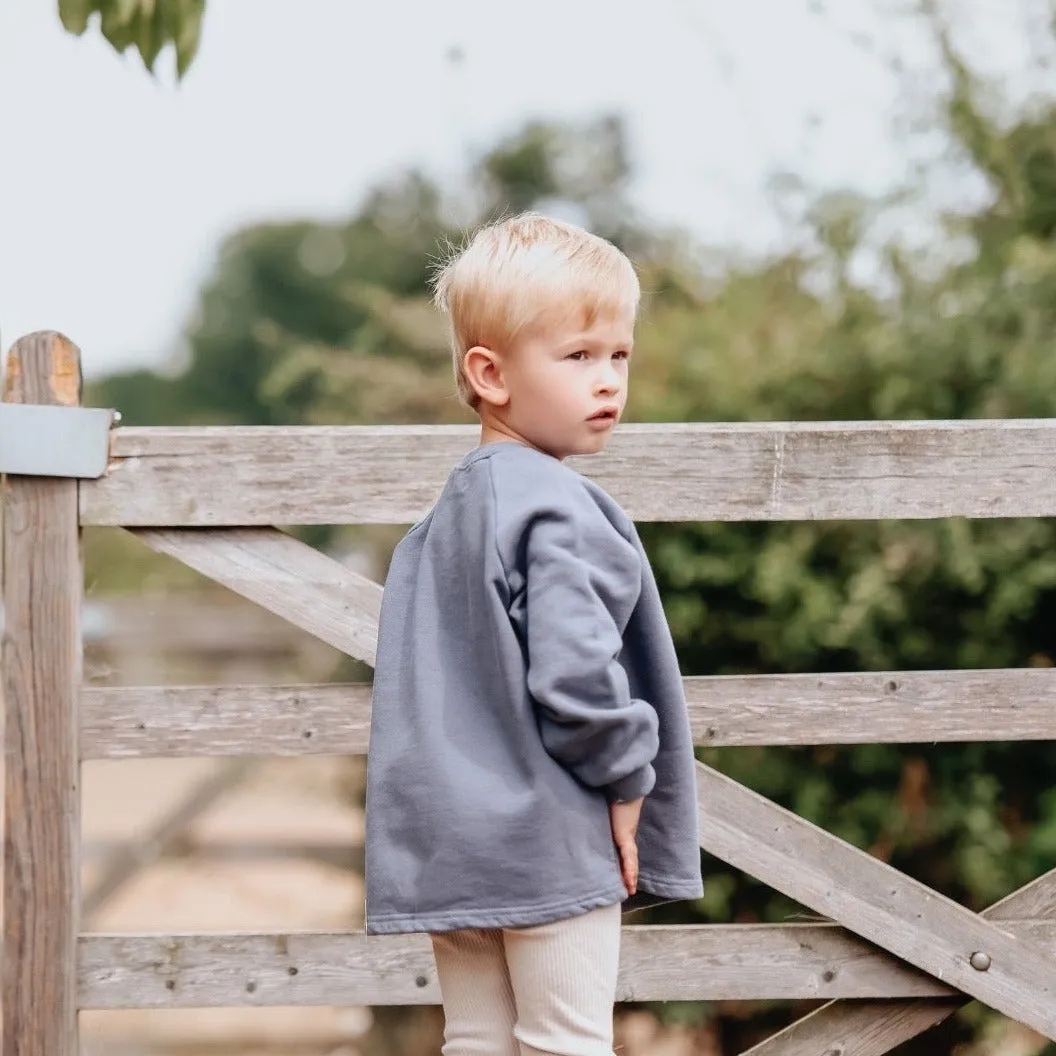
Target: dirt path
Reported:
point(282, 802)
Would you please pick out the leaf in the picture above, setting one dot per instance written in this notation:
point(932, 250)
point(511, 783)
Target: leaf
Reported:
point(151, 37)
point(188, 34)
point(148, 25)
point(74, 15)
point(119, 23)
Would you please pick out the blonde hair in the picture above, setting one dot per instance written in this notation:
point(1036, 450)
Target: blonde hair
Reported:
point(517, 273)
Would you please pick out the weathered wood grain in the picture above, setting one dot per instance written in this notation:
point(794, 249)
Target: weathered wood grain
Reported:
point(882, 708)
point(860, 1029)
point(876, 901)
point(292, 580)
point(220, 476)
point(41, 681)
point(876, 1027)
point(658, 963)
point(126, 722)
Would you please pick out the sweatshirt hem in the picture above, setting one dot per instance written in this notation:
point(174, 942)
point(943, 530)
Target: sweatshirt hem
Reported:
point(668, 888)
point(506, 917)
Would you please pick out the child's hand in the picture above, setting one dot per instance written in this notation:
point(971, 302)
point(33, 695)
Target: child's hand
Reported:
point(624, 819)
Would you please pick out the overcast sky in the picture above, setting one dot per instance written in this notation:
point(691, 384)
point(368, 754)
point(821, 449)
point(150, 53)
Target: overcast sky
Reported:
point(115, 188)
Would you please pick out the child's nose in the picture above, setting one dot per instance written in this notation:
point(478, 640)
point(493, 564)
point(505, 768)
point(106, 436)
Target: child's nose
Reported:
point(608, 381)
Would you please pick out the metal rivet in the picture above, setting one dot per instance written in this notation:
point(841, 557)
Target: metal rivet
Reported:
point(979, 961)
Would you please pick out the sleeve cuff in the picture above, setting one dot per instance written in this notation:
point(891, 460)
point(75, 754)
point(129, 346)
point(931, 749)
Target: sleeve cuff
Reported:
point(636, 784)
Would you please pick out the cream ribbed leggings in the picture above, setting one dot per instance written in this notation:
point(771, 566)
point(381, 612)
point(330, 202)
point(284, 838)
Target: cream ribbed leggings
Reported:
point(542, 991)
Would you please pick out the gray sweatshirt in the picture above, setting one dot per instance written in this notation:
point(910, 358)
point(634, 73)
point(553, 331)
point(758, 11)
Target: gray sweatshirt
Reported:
point(525, 678)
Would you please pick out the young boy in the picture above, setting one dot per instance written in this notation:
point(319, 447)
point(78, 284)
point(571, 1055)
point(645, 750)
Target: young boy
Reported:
point(530, 763)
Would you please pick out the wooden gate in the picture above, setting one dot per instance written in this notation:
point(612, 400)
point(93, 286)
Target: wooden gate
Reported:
point(896, 957)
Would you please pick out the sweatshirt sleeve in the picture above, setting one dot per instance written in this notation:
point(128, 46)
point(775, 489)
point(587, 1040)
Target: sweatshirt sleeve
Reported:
point(582, 580)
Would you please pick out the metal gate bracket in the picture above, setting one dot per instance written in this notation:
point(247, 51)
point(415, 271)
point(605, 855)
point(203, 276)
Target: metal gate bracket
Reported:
point(38, 440)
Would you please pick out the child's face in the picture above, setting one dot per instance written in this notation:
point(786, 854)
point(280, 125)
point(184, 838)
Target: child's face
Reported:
point(567, 385)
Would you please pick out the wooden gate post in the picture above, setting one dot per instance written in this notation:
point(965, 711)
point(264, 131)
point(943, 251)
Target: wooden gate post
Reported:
point(43, 586)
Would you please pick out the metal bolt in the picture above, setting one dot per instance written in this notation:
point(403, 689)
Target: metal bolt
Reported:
point(979, 961)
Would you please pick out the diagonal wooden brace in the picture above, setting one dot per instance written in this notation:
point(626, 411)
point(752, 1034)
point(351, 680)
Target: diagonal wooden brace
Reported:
point(876, 901)
point(284, 576)
point(872, 1028)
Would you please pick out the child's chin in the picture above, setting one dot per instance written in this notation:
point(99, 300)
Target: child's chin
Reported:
point(588, 445)
point(594, 447)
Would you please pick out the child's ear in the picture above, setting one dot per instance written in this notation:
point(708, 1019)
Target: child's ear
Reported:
point(483, 369)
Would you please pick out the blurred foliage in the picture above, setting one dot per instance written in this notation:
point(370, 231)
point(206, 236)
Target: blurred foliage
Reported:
point(312, 322)
point(146, 25)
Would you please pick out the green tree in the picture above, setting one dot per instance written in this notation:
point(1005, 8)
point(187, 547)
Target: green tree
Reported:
point(313, 323)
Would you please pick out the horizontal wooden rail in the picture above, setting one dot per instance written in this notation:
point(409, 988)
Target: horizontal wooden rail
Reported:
point(658, 963)
point(245, 476)
point(1012, 704)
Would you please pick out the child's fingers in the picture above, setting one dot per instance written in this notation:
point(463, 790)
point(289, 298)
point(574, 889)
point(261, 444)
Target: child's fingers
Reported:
point(629, 864)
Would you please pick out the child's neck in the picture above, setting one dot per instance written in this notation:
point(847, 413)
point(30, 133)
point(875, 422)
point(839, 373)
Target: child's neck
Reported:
point(495, 432)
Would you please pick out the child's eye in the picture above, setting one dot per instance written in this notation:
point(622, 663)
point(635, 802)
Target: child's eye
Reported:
point(621, 354)
point(579, 354)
